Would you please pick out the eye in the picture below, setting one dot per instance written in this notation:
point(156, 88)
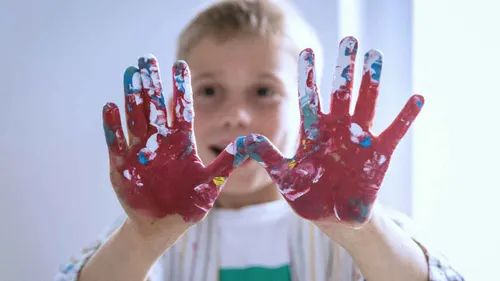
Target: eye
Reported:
point(208, 91)
point(264, 92)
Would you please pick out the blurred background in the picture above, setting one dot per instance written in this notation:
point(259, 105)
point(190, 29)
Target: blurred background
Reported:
point(62, 60)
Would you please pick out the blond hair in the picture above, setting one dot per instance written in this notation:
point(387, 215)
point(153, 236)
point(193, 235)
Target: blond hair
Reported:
point(226, 19)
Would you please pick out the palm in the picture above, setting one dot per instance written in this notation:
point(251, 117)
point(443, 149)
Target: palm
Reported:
point(339, 165)
point(159, 172)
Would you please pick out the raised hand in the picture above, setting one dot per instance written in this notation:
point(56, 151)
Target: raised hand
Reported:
point(339, 165)
point(158, 173)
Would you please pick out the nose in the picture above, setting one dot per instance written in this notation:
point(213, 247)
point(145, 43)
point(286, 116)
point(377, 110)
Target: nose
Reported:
point(236, 116)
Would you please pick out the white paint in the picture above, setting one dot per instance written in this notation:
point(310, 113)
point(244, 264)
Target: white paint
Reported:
point(231, 148)
point(201, 187)
point(158, 119)
point(138, 98)
point(137, 87)
point(127, 175)
point(187, 100)
point(138, 181)
point(305, 92)
point(293, 194)
point(356, 132)
point(382, 159)
point(321, 170)
point(151, 146)
point(343, 61)
point(373, 56)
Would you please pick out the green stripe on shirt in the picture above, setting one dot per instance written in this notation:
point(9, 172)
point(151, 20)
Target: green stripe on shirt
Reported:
point(256, 274)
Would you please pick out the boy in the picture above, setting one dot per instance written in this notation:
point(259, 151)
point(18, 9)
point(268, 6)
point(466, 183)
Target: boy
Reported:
point(243, 58)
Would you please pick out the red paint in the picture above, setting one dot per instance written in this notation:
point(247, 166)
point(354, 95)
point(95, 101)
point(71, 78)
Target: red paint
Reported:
point(331, 175)
point(167, 184)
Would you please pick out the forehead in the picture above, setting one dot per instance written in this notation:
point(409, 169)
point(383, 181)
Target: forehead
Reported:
point(241, 54)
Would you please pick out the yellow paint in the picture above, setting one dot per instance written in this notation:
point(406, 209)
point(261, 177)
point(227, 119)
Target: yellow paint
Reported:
point(219, 181)
point(292, 164)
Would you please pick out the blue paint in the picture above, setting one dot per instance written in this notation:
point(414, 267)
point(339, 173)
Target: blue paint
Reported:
point(310, 115)
point(160, 100)
point(345, 73)
point(142, 158)
point(309, 58)
point(419, 103)
point(189, 147)
point(128, 80)
point(180, 83)
point(109, 134)
point(239, 155)
point(143, 63)
point(68, 268)
point(377, 69)
point(349, 52)
point(129, 107)
point(364, 211)
point(366, 142)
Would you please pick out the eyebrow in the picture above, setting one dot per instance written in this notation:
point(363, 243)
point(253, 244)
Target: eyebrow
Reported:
point(202, 76)
point(271, 76)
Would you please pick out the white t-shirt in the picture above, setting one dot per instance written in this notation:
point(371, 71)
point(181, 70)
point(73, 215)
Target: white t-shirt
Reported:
point(260, 242)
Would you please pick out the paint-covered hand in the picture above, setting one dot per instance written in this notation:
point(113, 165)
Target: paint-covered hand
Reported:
point(158, 173)
point(339, 165)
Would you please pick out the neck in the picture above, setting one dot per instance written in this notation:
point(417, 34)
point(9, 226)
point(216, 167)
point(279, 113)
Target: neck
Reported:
point(268, 193)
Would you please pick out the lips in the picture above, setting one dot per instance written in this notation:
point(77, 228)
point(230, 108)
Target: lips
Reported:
point(217, 149)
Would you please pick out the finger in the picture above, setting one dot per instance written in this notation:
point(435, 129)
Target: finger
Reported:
point(115, 139)
point(343, 80)
point(369, 89)
point(281, 170)
point(231, 158)
point(182, 97)
point(309, 102)
point(153, 95)
point(262, 150)
point(390, 138)
point(134, 103)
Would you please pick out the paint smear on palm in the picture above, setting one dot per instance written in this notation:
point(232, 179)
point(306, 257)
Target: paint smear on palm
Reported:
point(159, 176)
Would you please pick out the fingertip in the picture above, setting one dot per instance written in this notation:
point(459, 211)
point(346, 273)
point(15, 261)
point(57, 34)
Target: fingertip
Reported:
point(418, 100)
point(349, 45)
point(180, 65)
point(147, 61)
point(373, 64)
point(111, 114)
point(132, 80)
point(306, 59)
point(180, 68)
point(108, 107)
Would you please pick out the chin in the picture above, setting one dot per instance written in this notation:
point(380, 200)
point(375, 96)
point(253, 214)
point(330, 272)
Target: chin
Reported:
point(246, 180)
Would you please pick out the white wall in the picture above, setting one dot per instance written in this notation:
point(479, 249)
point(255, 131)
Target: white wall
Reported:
point(456, 144)
point(62, 60)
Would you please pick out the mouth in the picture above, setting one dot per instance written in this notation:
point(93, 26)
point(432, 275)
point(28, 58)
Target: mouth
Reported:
point(217, 149)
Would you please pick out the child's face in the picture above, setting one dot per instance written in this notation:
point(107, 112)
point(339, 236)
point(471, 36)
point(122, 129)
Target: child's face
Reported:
point(241, 86)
